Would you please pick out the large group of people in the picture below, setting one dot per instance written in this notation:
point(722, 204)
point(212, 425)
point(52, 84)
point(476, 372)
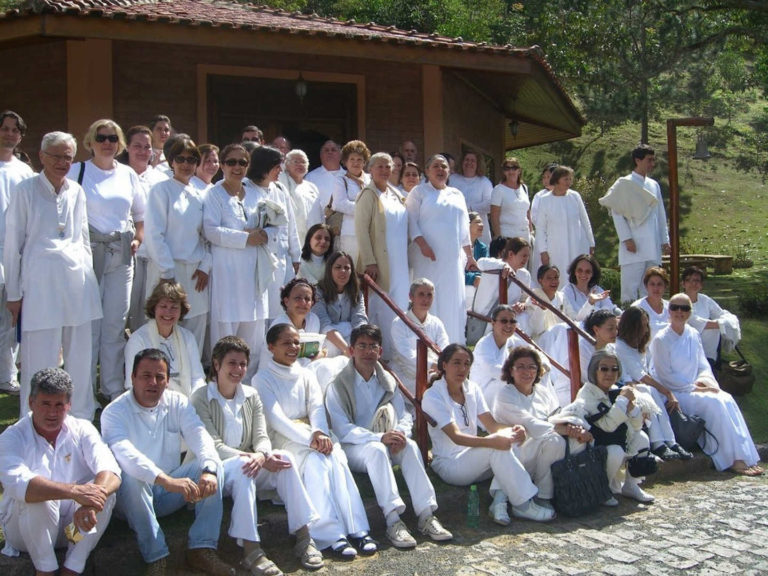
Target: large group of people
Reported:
point(165, 257)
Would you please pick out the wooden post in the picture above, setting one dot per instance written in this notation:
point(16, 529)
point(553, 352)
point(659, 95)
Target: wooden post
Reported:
point(574, 362)
point(502, 290)
point(422, 438)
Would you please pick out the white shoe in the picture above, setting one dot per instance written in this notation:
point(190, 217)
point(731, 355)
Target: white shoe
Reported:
point(11, 388)
point(435, 530)
point(611, 502)
point(631, 489)
point(399, 536)
point(531, 511)
point(498, 513)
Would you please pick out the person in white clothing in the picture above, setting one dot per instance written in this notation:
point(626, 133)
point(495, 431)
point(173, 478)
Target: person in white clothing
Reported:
point(324, 178)
point(318, 246)
point(165, 308)
point(368, 416)
point(421, 295)
point(461, 457)
point(12, 171)
point(510, 205)
point(144, 428)
point(546, 175)
point(56, 471)
point(584, 279)
point(46, 238)
point(293, 405)
point(679, 363)
point(476, 188)
point(173, 234)
point(641, 240)
point(656, 282)
point(438, 223)
point(563, 230)
point(234, 417)
point(161, 132)
point(115, 200)
point(207, 169)
point(354, 155)
point(302, 193)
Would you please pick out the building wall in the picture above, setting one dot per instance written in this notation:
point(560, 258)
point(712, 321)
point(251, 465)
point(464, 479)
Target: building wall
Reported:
point(33, 84)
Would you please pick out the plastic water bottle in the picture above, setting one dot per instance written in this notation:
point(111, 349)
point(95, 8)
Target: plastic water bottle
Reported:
point(473, 507)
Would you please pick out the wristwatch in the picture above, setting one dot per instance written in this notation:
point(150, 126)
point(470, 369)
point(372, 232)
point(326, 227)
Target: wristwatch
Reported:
point(209, 469)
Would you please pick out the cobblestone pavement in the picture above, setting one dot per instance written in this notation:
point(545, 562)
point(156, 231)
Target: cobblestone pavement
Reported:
point(710, 524)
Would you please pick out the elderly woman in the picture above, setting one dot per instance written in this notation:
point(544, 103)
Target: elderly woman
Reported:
point(208, 167)
point(461, 457)
point(616, 422)
point(381, 225)
point(563, 230)
point(354, 156)
point(115, 203)
point(583, 284)
point(656, 283)
point(510, 205)
point(175, 242)
point(678, 362)
point(525, 401)
point(234, 417)
point(165, 307)
point(410, 177)
point(161, 131)
point(293, 405)
point(284, 244)
point(475, 187)
point(229, 224)
point(302, 193)
point(438, 223)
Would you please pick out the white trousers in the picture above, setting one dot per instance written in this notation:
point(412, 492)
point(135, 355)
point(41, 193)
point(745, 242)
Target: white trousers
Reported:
point(108, 336)
point(348, 244)
point(243, 489)
point(632, 286)
point(9, 348)
point(253, 334)
point(40, 349)
point(376, 459)
point(537, 456)
point(283, 274)
point(660, 429)
point(38, 528)
point(636, 441)
point(477, 464)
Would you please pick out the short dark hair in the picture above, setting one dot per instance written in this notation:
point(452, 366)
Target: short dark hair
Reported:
point(544, 268)
point(159, 118)
point(558, 173)
point(447, 353)
point(151, 354)
point(20, 124)
point(641, 151)
point(693, 271)
point(655, 271)
point(521, 352)
point(502, 308)
point(171, 141)
point(263, 159)
point(514, 245)
point(229, 344)
point(370, 330)
point(597, 318)
point(180, 146)
point(631, 328)
point(285, 291)
point(596, 274)
point(274, 332)
point(497, 246)
point(51, 381)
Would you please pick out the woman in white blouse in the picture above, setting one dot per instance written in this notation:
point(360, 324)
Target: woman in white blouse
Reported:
point(208, 168)
point(584, 283)
point(656, 283)
point(175, 243)
point(318, 246)
point(476, 188)
point(115, 204)
point(354, 157)
point(510, 205)
point(461, 457)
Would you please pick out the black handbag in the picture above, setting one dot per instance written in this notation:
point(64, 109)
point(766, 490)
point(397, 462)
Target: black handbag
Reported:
point(687, 428)
point(642, 464)
point(603, 438)
point(580, 482)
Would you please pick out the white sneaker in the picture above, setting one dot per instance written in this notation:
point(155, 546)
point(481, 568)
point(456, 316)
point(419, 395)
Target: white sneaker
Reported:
point(11, 387)
point(611, 502)
point(435, 530)
point(631, 489)
point(531, 511)
point(399, 536)
point(498, 513)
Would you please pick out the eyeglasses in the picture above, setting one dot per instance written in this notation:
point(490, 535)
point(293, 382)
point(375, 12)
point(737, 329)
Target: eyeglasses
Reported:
point(526, 367)
point(506, 321)
point(679, 307)
point(464, 414)
point(187, 159)
point(233, 162)
point(608, 368)
point(60, 157)
point(101, 138)
point(366, 347)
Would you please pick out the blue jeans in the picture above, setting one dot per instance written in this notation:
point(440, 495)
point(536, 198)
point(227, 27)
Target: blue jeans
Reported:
point(141, 504)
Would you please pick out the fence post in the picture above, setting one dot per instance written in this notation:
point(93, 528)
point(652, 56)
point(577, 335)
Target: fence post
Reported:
point(574, 362)
point(502, 290)
point(421, 387)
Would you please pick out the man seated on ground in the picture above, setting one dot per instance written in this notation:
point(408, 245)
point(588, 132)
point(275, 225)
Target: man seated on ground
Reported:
point(368, 416)
point(144, 428)
point(55, 470)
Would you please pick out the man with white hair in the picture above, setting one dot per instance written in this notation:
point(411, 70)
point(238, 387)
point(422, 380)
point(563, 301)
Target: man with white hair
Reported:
point(56, 472)
point(302, 193)
point(47, 245)
point(12, 171)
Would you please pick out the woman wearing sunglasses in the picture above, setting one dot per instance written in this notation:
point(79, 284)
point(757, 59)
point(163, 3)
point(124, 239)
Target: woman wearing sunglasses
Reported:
point(679, 363)
point(115, 204)
point(229, 212)
point(177, 249)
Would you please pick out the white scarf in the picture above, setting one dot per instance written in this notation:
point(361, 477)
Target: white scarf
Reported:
point(183, 382)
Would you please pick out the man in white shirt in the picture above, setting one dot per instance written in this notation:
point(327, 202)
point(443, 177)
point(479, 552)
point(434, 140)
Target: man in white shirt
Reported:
point(47, 246)
point(641, 243)
point(59, 479)
point(12, 171)
point(368, 415)
point(144, 427)
point(324, 177)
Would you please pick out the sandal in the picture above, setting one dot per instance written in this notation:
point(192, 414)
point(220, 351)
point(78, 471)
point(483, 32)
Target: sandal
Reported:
point(366, 545)
point(310, 557)
point(258, 564)
point(343, 550)
point(746, 471)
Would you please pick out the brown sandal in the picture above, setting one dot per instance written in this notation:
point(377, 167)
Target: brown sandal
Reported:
point(258, 564)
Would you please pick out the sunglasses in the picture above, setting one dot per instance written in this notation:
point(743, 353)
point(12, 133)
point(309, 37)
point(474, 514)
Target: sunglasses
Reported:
point(511, 167)
point(187, 159)
point(506, 321)
point(608, 368)
point(101, 138)
point(232, 162)
point(679, 307)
